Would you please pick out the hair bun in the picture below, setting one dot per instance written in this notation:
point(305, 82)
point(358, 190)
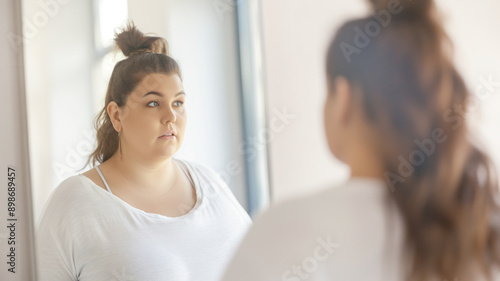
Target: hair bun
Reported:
point(410, 8)
point(132, 41)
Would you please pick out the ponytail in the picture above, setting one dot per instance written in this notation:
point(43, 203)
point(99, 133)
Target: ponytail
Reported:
point(409, 87)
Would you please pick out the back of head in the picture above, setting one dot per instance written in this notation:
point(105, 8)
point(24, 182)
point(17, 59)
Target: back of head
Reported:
point(145, 55)
point(400, 59)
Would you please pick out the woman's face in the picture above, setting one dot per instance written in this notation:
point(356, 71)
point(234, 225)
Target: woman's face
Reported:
point(346, 128)
point(334, 117)
point(331, 126)
point(153, 111)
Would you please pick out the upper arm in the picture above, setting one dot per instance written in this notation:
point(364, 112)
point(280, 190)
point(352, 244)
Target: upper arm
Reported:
point(53, 258)
point(54, 242)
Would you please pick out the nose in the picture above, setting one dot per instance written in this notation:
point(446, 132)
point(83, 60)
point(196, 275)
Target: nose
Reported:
point(168, 116)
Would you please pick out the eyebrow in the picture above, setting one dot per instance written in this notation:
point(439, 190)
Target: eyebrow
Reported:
point(161, 95)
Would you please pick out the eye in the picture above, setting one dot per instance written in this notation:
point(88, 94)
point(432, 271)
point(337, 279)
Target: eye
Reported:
point(153, 104)
point(178, 103)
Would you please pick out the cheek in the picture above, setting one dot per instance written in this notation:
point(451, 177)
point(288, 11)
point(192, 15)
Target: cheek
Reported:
point(181, 122)
point(330, 126)
point(141, 124)
point(328, 119)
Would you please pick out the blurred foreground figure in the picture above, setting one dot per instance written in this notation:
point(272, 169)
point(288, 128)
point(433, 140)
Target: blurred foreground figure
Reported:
point(420, 202)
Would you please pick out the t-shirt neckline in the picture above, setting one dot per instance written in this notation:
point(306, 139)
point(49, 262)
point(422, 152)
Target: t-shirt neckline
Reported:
point(196, 183)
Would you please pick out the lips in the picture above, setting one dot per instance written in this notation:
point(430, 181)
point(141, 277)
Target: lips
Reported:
point(168, 134)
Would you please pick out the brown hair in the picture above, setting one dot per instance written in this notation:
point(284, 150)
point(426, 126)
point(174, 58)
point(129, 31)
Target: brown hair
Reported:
point(146, 55)
point(400, 60)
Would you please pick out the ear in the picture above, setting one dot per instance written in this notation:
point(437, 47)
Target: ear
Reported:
point(342, 92)
point(113, 111)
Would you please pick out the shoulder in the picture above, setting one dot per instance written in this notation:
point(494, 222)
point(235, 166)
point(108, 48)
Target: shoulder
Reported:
point(329, 206)
point(70, 190)
point(277, 237)
point(213, 187)
point(67, 199)
point(332, 218)
point(289, 222)
point(207, 177)
point(287, 216)
point(335, 210)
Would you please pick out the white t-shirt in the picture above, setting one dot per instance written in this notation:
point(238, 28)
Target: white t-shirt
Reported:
point(348, 233)
point(353, 232)
point(86, 233)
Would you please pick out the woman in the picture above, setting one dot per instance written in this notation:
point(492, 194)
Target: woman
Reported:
point(140, 214)
point(420, 202)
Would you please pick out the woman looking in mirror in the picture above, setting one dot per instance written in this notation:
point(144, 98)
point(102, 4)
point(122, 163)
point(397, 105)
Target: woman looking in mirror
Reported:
point(422, 200)
point(140, 214)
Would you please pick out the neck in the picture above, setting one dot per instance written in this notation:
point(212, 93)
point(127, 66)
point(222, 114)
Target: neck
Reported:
point(152, 176)
point(365, 162)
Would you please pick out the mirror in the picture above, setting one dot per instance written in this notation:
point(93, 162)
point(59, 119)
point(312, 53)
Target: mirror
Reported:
point(69, 58)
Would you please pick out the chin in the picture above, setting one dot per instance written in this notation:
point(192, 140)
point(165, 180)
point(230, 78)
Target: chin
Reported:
point(166, 154)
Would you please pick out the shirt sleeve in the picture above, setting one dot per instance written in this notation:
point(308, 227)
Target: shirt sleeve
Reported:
point(214, 180)
point(54, 246)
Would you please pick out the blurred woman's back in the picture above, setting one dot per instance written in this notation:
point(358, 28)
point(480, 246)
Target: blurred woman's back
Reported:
point(419, 188)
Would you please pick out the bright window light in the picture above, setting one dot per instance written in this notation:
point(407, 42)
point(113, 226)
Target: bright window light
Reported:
point(112, 14)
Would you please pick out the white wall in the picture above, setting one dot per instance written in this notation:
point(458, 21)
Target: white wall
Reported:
point(296, 35)
point(473, 27)
point(59, 59)
point(16, 231)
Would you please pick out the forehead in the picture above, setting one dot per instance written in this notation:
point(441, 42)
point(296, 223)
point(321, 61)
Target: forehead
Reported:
point(165, 84)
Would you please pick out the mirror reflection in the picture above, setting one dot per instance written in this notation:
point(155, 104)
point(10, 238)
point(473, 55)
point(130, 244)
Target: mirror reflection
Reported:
point(136, 134)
